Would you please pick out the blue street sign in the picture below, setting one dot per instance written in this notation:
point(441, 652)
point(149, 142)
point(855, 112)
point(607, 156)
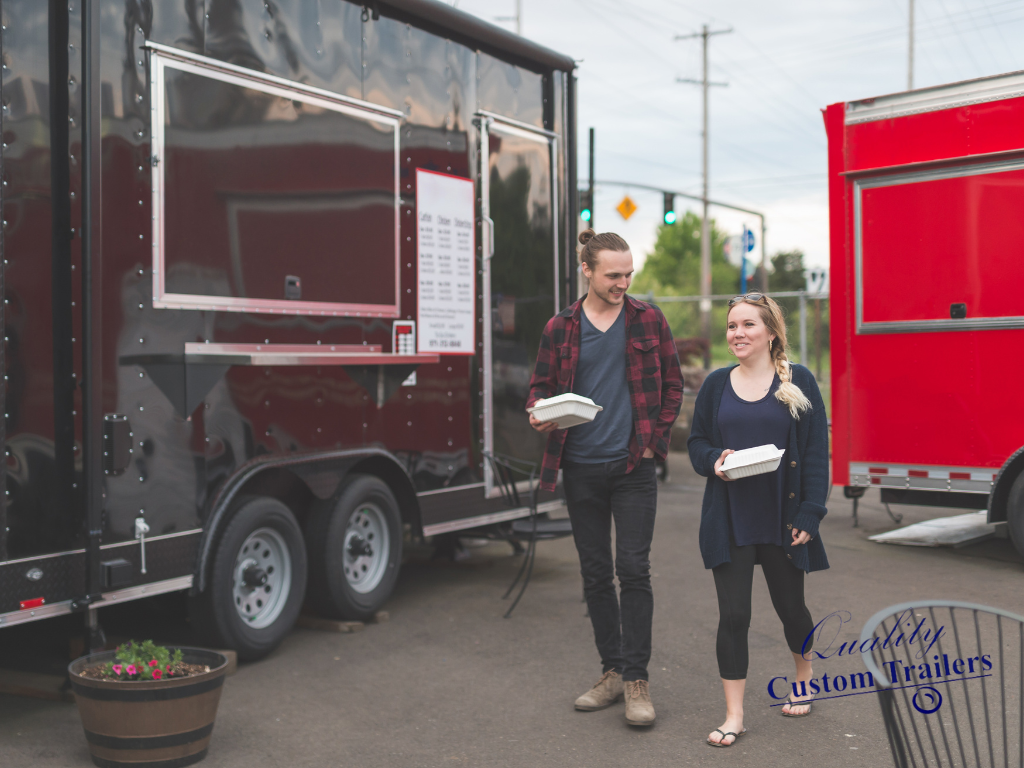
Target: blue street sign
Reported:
point(748, 240)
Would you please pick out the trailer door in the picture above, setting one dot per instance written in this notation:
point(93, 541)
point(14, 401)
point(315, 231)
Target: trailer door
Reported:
point(518, 179)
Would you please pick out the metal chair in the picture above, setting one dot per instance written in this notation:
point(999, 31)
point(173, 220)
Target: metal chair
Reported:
point(958, 714)
point(532, 529)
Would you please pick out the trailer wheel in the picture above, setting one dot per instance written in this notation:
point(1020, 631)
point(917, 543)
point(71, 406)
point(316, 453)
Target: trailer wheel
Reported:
point(257, 579)
point(1015, 513)
point(355, 549)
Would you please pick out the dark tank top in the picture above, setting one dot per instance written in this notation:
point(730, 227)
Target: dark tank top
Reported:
point(755, 503)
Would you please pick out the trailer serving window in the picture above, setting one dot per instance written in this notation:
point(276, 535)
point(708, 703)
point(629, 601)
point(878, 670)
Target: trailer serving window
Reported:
point(939, 250)
point(270, 196)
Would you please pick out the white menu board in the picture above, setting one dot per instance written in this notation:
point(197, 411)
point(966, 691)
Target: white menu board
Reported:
point(446, 244)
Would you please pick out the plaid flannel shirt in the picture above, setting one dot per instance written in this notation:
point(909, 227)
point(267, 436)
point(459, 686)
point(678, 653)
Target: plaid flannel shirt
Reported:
point(652, 372)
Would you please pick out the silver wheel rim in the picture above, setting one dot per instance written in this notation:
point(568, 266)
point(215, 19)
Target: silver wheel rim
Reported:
point(367, 544)
point(262, 578)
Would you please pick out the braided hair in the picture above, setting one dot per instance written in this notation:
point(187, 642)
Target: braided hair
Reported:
point(788, 393)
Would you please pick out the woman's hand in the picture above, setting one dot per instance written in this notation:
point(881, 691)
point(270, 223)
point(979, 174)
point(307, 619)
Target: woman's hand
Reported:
point(649, 453)
point(800, 537)
point(718, 465)
point(542, 426)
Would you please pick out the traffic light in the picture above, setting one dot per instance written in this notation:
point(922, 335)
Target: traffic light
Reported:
point(670, 208)
point(586, 205)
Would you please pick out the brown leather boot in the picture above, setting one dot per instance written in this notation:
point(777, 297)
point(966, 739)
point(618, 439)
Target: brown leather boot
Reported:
point(639, 709)
point(604, 694)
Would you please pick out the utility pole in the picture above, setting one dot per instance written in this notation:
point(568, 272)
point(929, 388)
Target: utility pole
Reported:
point(705, 226)
point(518, 18)
point(590, 183)
point(910, 50)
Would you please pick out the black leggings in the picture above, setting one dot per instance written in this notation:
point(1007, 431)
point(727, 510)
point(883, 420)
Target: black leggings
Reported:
point(734, 580)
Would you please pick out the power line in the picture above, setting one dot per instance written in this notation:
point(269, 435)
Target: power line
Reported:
point(960, 37)
point(999, 30)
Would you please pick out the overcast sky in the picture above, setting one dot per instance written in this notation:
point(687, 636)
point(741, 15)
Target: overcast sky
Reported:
point(784, 61)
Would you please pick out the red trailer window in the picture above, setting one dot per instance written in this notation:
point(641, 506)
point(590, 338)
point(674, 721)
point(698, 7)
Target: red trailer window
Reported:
point(940, 250)
point(270, 196)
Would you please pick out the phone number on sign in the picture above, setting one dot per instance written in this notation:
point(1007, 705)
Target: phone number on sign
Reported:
point(445, 344)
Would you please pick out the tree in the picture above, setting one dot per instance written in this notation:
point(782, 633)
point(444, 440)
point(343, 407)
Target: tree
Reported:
point(673, 269)
point(788, 275)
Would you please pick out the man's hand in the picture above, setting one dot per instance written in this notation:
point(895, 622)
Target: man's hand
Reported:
point(718, 465)
point(542, 426)
point(649, 453)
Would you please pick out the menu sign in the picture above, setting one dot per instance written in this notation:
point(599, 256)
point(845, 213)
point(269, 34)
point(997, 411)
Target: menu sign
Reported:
point(445, 208)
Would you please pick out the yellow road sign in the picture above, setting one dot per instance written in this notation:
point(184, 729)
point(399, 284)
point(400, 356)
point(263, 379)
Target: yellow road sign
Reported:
point(626, 208)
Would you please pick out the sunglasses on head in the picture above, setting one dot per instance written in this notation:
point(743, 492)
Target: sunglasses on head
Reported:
point(746, 297)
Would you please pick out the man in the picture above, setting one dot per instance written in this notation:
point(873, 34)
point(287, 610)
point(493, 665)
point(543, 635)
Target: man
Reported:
point(618, 352)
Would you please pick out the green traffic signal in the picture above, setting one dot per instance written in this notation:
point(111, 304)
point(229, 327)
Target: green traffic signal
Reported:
point(670, 208)
point(585, 214)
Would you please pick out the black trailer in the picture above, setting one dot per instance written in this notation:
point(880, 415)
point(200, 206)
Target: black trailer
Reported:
point(274, 275)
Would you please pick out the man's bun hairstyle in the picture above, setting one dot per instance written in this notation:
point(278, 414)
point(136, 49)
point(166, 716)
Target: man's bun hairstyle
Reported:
point(594, 243)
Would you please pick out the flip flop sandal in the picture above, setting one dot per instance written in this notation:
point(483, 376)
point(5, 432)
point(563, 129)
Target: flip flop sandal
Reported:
point(735, 738)
point(789, 700)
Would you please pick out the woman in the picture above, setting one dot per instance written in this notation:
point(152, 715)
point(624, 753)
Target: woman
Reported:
point(772, 518)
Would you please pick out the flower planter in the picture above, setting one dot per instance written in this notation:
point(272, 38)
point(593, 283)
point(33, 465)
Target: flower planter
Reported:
point(164, 723)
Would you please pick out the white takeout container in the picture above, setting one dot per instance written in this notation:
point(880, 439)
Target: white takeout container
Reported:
point(752, 461)
point(566, 410)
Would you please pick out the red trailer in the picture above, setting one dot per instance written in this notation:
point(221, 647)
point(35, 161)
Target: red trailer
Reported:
point(926, 194)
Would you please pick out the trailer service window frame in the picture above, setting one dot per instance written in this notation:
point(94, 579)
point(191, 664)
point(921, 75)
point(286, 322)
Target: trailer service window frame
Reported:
point(163, 58)
point(927, 325)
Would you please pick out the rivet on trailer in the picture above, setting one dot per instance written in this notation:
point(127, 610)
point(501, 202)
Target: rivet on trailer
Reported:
point(309, 270)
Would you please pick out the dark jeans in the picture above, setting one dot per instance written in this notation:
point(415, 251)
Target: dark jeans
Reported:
point(733, 581)
point(595, 494)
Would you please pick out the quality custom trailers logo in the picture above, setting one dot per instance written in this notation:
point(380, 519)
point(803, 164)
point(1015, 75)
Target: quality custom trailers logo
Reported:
point(921, 669)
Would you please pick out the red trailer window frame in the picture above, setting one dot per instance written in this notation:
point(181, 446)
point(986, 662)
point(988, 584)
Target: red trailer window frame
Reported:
point(164, 58)
point(906, 315)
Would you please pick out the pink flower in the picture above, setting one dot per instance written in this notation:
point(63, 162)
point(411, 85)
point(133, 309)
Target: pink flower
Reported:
point(131, 669)
point(117, 669)
point(157, 674)
point(152, 662)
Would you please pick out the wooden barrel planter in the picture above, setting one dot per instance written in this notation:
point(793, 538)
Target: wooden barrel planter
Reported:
point(165, 723)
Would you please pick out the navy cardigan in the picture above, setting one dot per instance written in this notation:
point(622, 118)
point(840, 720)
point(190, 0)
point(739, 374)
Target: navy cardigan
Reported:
point(806, 475)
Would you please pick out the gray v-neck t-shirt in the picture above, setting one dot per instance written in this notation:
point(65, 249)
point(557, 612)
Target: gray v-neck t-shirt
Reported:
point(601, 376)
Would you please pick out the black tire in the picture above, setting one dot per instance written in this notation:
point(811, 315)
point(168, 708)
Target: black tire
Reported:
point(215, 615)
point(1015, 513)
point(364, 499)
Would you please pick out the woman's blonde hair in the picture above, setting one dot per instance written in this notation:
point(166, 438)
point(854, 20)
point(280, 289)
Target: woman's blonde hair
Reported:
point(788, 393)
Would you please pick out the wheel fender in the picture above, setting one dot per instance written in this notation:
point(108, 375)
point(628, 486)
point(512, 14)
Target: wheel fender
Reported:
point(322, 473)
point(1000, 493)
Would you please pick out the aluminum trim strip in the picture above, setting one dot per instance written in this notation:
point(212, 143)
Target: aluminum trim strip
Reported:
point(268, 355)
point(492, 121)
point(151, 539)
point(979, 91)
point(509, 122)
point(37, 558)
point(496, 517)
point(243, 72)
point(449, 490)
point(272, 306)
point(487, 252)
point(980, 479)
point(920, 484)
point(162, 57)
point(864, 468)
point(937, 325)
point(108, 598)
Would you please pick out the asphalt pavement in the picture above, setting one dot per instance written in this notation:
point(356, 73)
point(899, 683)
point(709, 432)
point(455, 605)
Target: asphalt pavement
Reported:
point(447, 681)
